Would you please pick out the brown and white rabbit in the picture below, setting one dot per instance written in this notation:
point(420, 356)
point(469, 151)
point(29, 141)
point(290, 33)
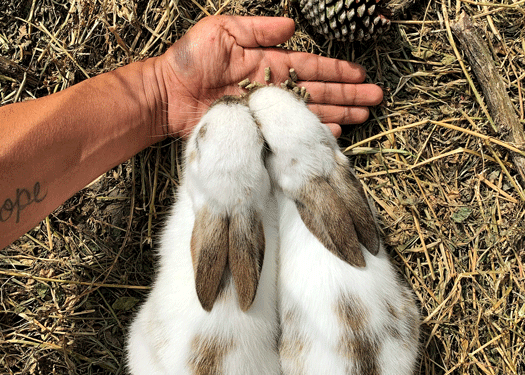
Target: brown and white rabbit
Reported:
point(342, 306)
point(212, 309)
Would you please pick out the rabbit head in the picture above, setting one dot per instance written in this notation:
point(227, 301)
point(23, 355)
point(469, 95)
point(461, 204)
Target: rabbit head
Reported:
point(228, 185)
point(305, 162)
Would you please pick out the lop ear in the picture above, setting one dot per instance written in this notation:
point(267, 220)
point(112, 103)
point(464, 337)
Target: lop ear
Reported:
point(335, 209)
point(246, 254)
point(326, 215)
point(209, 250)
point(349, 189)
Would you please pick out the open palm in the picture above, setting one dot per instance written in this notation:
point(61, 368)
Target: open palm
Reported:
point(220, 51)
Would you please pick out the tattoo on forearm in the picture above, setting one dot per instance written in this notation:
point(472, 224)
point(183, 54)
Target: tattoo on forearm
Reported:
point(23, 198)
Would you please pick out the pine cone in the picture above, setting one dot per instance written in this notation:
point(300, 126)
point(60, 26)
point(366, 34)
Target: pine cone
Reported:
point(346, 20)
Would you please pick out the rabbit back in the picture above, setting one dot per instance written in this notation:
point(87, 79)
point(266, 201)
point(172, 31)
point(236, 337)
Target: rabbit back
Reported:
point(178, 330)
point(173, 332)
point(343, 308)
point(336, 318)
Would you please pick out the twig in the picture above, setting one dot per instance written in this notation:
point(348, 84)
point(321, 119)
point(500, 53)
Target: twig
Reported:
point(515, 5)
point(498, 100)
point(464, 68)
point(72, 282)
point(10, 69)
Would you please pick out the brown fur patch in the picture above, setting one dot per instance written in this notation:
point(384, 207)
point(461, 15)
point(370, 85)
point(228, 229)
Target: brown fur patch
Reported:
point(256, 121)
point(192, 156)
point(209, 251)
point(363, 351)
point(207, 356)
point(246, 254)
point(354, 198)
point(392, 327)
point(225, 291)
point(356, 344)
point(351, 314)
point(289, 317)
point(405, 323)
point(325, 215)
point(391, 310)
point(292, 348)
point(393, 331)
point(202, 131)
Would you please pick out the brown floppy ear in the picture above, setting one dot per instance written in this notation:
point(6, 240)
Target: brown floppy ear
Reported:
point(350, 190)
point(326, 215)
point(209, 251)
point(246, 254)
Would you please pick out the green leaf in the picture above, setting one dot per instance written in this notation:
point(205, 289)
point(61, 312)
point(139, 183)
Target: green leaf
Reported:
point(41, 290)
point(462, 214)
point(124, 303)
point(448, 59)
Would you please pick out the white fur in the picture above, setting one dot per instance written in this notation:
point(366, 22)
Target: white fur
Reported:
point(311, 280)
point(226, 171)
point(294, 134)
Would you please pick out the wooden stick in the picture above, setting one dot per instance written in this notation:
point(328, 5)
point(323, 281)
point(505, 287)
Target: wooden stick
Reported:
point(498, 101)
point(11, 69)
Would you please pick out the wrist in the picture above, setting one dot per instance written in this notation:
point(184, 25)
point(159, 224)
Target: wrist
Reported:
point(153, 99)
point(181, 109)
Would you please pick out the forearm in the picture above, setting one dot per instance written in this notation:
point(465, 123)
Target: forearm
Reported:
point(52, 147)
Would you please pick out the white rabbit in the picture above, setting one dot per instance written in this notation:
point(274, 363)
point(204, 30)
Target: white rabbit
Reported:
point(212, 309)
point(343, 308)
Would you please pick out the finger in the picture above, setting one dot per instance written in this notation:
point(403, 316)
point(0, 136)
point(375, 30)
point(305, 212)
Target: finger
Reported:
point(340, 114)
point(258, 31)
point(343, 94)
point(335, 129)
point(310, 67)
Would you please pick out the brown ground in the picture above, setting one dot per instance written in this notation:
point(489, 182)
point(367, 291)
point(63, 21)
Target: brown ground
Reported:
point(450, 202)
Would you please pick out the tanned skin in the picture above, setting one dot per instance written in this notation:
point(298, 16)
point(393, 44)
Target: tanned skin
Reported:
point(52, 147)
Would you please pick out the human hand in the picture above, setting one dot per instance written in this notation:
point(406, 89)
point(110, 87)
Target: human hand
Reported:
point(220, 51)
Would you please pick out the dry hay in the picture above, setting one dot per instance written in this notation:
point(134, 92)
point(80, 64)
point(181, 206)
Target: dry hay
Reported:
point(449, 198)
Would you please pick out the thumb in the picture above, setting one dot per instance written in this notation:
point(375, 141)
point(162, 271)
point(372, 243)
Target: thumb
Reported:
point(258, 31)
